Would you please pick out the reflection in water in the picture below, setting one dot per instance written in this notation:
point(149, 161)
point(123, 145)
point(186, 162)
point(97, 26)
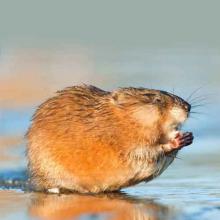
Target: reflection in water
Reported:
point(104, 206)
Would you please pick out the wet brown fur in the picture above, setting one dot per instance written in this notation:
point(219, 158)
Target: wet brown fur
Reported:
point(88, 140)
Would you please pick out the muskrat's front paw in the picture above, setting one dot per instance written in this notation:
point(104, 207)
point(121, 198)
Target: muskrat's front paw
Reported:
point(182, 140)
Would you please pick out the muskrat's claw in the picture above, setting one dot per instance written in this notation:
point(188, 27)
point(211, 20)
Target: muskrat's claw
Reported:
point(182, 140)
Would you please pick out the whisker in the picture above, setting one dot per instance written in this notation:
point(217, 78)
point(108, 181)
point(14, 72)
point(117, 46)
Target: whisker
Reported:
point(201, 98)
point(200, 102)
point(199, 113)
point(199, 105)
point(193, 92)
point(178, 158)
point(174, 157)
point(193, 117)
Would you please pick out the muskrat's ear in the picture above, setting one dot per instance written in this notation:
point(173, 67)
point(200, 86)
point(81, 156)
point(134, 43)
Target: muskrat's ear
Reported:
point(117, 98)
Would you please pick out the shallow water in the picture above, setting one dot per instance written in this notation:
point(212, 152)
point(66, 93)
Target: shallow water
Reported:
point(188, 190)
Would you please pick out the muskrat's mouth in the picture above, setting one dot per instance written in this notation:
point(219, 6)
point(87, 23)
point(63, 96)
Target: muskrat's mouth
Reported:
point(176, 127)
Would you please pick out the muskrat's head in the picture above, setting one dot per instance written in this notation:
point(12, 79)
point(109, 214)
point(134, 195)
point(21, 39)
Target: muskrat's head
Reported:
point(150, 107)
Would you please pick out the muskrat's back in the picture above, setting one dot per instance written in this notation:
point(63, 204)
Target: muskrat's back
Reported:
point(89, 140)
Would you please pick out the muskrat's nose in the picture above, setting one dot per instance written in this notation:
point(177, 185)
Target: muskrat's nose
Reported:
point(187, 107)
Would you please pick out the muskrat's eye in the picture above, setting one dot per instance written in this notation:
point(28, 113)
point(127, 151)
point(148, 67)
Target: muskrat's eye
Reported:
point(153, 98)
point(157, 100)
point(149, 95)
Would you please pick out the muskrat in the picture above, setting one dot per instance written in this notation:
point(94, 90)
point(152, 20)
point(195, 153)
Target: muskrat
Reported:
point(88, 140)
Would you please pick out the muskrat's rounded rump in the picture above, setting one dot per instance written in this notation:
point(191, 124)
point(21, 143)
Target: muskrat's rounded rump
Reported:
point(86, 139)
